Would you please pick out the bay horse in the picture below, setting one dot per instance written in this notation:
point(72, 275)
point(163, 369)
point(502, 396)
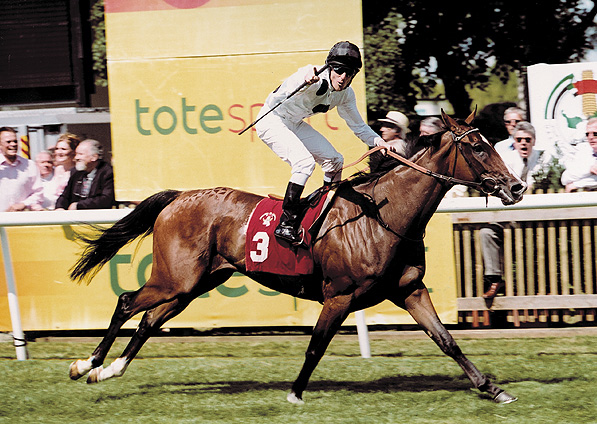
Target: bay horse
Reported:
point(199, 242)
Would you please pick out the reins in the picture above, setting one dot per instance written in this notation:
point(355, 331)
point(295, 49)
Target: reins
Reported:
point(487, 185)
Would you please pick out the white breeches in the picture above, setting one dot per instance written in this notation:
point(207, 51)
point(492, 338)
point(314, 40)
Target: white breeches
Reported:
point(299, 145)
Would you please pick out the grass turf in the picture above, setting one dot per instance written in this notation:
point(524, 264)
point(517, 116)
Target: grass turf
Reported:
point(215, 381)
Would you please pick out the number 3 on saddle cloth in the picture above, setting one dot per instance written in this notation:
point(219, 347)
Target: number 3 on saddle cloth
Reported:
point(266, 253)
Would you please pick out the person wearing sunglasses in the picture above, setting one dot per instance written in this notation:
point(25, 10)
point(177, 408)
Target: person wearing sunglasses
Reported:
point(286, 133)
point(512, 117)
point(525, 161)
point(581, 169)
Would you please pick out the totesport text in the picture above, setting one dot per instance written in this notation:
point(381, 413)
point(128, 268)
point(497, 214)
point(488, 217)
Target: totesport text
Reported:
point(193, 119)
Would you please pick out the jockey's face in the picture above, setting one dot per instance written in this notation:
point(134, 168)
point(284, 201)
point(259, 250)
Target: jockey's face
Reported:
point(341, 81)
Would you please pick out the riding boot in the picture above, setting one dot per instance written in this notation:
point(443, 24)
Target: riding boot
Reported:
point(494, 284)
point(290, 221)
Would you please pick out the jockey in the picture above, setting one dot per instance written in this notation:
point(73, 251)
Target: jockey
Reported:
point(297, 143)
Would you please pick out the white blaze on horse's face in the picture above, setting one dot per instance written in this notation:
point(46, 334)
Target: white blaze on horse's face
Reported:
point(484, 139)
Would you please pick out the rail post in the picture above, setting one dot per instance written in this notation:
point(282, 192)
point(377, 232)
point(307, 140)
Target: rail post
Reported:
point(13, 301)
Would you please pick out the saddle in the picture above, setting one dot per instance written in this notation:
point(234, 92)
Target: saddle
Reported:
point(266, 253)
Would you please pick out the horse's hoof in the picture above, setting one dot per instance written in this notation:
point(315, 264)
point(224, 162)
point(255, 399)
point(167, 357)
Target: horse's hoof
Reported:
point(504, 398)
point(94, 375)
point(74, 372)
point(293, 398)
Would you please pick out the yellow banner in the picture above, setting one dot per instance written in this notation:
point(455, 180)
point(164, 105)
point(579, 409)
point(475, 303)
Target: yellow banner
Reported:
point(187, 76)
point(42, 257)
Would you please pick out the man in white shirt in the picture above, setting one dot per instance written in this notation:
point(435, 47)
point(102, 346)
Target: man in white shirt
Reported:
point(581, 170)
point(20, 183)
point(525, 161)
point(512, 116)
point(296, 142)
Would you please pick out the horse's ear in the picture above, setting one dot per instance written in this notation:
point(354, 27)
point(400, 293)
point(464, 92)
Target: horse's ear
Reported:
point(449, 123)
point(471, 117)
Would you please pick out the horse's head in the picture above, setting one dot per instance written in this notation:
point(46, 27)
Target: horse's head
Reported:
point(482, 165)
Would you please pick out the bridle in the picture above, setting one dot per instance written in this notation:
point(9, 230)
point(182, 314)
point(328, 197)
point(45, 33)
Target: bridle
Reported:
point(488, 185)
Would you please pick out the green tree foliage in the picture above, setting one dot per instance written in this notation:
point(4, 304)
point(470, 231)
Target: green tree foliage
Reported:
point(385, 71)
point(463, 43)
point(411, 46)
point(98, 40)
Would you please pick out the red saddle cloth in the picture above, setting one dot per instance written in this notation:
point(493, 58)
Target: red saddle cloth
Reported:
point(266, 253)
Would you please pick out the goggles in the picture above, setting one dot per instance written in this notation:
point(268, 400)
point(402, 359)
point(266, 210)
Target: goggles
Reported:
point(343, 69)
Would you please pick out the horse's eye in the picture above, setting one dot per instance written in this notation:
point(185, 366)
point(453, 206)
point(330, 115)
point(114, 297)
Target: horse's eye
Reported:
point(478, 148)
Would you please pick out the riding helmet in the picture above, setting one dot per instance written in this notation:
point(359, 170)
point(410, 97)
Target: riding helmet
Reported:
point(345, 53)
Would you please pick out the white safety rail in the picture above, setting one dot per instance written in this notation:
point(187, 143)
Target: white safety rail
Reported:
point(26, 219)
point(107, 216)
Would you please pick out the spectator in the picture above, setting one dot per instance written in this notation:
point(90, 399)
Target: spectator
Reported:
point(64, 159)
point(20, 184)
point(512, 116)
point(581, 169)
point(92, 185)
point(525, 161)
point(296, 142)
point(393, 130)
point(431, 125)
point(45, 165)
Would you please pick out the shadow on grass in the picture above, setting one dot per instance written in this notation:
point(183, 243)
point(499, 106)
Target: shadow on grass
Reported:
point(415, 384)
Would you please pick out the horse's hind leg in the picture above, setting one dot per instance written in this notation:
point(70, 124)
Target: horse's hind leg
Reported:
point(418, 303)
point(332, 316)
point(152, 320)
point(129, 304)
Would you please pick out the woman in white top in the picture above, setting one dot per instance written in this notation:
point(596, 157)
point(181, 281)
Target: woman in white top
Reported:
point(64, 159)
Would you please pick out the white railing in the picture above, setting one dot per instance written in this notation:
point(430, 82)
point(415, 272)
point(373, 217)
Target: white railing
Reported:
point(107, 216)
point(18, 219)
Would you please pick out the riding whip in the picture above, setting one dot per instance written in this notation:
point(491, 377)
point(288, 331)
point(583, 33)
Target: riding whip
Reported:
point(300, 87)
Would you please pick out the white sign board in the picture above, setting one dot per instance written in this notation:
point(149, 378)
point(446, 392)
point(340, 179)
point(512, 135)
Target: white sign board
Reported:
point(562, 98)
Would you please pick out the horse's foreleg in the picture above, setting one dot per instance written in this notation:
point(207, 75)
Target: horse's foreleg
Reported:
point(129, 304)
point(151, 322)
point(332, 316)
point(419, 305)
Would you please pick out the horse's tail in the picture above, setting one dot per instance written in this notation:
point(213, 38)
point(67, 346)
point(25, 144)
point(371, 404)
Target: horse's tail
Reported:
point(105, 243)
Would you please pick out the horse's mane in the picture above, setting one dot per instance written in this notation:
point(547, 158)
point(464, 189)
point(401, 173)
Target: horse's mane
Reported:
point(381, 164)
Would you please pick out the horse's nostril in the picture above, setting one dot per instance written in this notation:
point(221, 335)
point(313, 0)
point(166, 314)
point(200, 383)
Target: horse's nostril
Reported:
point(518, 188)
